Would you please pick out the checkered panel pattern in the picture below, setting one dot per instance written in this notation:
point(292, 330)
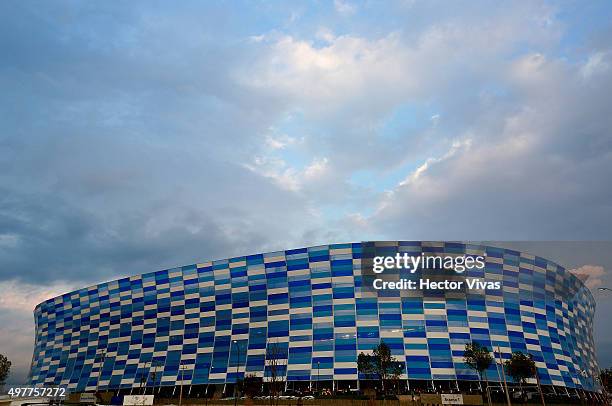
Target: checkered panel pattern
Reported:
point(306, 307)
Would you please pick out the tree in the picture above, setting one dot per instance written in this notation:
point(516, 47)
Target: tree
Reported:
point(479, 358)
point(276, 368)
point(364, 365)
point(605, 377)
point(5, 369)
point(520, 367)
point(380, 364)
point(251, 385)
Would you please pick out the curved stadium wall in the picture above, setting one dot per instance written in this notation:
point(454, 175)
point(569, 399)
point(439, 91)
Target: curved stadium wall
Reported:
point(219, 320)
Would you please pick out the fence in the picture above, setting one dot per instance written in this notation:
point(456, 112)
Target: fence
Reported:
point(422, 400)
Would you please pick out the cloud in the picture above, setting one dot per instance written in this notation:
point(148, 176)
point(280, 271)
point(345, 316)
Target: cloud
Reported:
point(591, 275)
point(597, 63)
point(25, 296)
point(530, 161)
point(347, 87)
point(344, 7)
point(286, 176)
point(280, 142)
point(115, 146)
point(124, 152)
point(17, 302)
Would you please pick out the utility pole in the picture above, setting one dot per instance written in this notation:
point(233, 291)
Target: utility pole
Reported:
point(501, 362)
point(539, 387)
point(237, 344)
point(154, 365)
point(537, 376)
point(208, 381)
point(182, 368)
point(144, 379)
point(102, 357)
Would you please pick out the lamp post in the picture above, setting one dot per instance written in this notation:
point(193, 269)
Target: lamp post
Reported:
point(318, 376)
point(208, 380)
point(537, 375)
point(101, 355)
point(501, 363)
point(154, 366)
point(144, 379)
point(182, 368)
point(237, 344)
point(583, 374)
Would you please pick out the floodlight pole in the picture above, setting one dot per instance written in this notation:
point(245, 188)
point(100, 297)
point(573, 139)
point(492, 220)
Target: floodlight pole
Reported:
point(144, 380)
point(181, 367)
point(237, 371)
point(537, 374)
point(154, 365)
point(503, 374)
point(208, 380)
point(102, 357)
point(318, 375)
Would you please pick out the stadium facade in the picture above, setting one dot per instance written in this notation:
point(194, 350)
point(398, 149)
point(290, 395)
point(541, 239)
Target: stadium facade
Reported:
point(212, 322)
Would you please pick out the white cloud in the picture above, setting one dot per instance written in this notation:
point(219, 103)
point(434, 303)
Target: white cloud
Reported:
point(8, 240)
point(323, 79)
point(15, 295)
point(435, 119)
point(596, 64)
point(456, 147)
point(344, 7)
point(325, 34)
point(280, 141)
point(361, 79)
point(17, 303)
point(257, 38)
point(531, 159)
point(317, 168)
point(591, 275)
point(286, 176)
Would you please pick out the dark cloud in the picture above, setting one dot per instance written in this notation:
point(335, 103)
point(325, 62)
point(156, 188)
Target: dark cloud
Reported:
point(123, 141)
point(116, 211)
point(541, 174)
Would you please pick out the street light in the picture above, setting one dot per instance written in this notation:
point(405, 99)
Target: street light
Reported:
point(208, 380)
point(101, 356)
point(144, 379)
point(501, 363)
point(153, 374)
point(237, 344)
point(182, 367)
point(604, 289)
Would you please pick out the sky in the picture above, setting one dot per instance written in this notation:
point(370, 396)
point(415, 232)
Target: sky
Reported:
point(145, 135)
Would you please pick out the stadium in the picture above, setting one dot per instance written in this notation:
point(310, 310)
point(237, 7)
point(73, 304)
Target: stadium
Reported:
point(210, 324)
